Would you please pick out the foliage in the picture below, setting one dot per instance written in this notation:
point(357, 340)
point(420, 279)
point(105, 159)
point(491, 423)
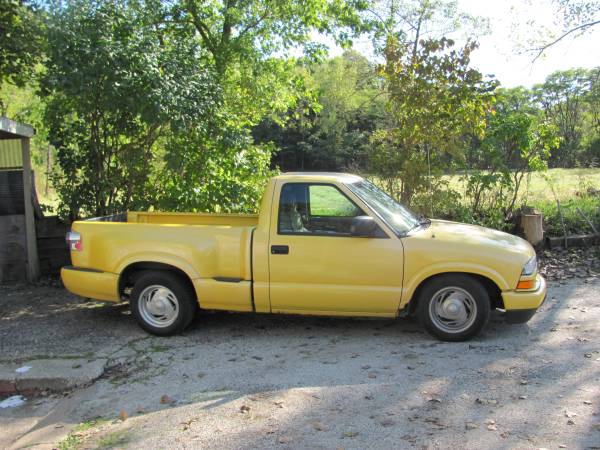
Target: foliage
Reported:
point(514, 145)
point(20, 43)
point(435, 100)
point(572, 19)
point(111, 93)
point(574, 223)
point(242, 39)
point(226, 175)
point(562, 100)
point(329, 128)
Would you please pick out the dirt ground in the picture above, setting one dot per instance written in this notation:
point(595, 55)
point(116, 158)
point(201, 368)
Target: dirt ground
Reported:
point(260, 381)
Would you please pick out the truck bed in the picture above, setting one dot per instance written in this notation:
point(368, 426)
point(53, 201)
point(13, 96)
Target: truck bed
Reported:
point(213, 250)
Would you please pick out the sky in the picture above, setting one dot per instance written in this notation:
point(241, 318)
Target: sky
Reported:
point(509, 26)
point(501, 50)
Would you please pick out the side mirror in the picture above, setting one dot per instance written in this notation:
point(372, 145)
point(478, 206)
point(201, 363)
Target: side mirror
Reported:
point(364, 226)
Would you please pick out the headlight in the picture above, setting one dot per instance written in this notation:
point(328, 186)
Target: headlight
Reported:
point(530, 267)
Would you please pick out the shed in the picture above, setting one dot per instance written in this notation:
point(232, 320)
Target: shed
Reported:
point(19, 135)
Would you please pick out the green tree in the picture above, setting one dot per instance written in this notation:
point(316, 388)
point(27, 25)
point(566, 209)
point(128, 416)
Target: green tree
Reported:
point(515, 145)
point(330, 129)
point(20, 41)
point(244, 43)
point(562, 99)
point(114, 86)
point(435, 101)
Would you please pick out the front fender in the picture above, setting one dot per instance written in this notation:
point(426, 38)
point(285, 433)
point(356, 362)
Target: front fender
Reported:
point(416, 279)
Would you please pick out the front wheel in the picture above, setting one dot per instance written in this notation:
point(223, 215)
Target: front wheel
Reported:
point(162, 303)
point(454, 307)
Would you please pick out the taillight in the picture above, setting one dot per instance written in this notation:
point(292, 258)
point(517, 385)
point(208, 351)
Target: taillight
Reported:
point(74, 241)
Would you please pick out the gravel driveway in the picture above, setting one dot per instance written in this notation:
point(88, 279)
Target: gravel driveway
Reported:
point(259, 381)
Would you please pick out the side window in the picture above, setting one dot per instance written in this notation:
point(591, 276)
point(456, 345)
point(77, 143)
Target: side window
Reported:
point(319, 209)
point(327, 201)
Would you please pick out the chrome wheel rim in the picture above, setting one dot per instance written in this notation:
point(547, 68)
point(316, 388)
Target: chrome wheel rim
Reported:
point(452, 309)
point(158, 306)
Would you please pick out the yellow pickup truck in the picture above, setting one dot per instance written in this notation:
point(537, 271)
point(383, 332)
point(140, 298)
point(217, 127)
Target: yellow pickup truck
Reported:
point(323, 243)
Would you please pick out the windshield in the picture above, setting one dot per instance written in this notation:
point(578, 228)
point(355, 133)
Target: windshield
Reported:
point(399, 218)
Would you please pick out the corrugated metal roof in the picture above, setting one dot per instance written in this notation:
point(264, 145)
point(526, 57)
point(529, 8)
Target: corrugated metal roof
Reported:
point(10, 154)
point(10, 129)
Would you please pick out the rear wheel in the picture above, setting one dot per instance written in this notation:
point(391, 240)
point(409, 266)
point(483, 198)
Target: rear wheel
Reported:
point(162, 303)
point(454, 307)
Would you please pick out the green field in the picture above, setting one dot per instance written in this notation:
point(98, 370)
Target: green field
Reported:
point(567, 183)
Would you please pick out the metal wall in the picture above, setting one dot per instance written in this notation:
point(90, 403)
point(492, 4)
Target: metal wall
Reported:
point(11, 156)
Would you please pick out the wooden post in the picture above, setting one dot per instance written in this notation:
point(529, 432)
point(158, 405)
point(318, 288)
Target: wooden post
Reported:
point(33, 263)
point(532, 228)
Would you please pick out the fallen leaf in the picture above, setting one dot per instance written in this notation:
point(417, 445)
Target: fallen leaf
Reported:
point(123, 415)
point(318, 426)
point(471, 426)
point(165, 399)
point(486, 401)
point(284, 439)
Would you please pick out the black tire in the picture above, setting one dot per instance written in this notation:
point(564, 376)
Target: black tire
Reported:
point(461, 290)
point(176, 299)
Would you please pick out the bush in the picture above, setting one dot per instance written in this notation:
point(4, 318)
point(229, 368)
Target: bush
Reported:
point(574, 223)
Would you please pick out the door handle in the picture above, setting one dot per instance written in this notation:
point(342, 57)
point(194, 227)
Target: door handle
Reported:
point(280, 249)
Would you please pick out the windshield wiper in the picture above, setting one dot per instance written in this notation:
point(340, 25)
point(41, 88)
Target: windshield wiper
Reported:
point(422, 222)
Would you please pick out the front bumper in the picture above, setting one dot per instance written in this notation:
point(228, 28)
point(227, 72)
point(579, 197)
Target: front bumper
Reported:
point(91, 283)
point(520, 306)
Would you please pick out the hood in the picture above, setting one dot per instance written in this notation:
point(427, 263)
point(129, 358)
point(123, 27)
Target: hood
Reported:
point(480, 236)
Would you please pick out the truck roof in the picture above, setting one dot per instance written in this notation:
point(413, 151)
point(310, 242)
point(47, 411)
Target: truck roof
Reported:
point(319, 176)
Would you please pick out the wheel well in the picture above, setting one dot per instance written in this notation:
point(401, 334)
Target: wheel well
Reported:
point(490, 286)
point(130, 274)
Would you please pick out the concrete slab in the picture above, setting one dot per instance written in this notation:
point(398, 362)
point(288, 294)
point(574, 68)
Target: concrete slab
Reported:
point(54, 375)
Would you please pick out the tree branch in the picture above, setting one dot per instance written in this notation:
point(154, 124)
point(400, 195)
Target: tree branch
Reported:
point(202, 28)
point(543, 48)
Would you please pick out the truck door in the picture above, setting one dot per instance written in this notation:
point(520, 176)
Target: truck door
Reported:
point(317, 267)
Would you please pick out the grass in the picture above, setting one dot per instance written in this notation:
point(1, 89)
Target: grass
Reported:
point(568, 182)
point(75, 438)
point(574, 188)
point(115, 439)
